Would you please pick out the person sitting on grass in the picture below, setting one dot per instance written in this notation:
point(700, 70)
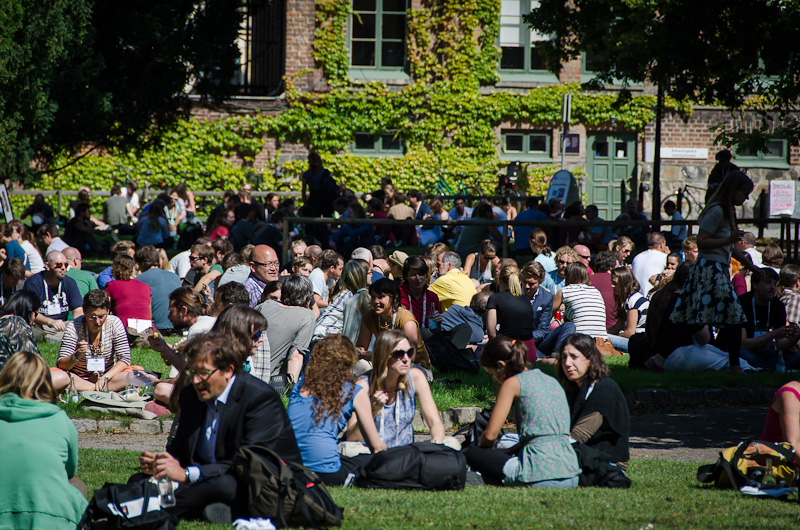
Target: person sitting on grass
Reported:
point(599, 415)
point(95, 353)
point(41, 448)
point(540, 455)
point(322, 403)
point(16, 320)
point(394, 386)
point(783, 417)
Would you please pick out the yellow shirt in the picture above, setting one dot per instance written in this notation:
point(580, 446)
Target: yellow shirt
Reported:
point(454, 288)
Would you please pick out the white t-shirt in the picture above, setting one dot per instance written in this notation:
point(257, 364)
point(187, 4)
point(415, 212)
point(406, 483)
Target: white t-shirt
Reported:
point(180, 264)
point(755, 256)
point(645, 265)
point(56, 244)
point(34, 258)
point(320, 285)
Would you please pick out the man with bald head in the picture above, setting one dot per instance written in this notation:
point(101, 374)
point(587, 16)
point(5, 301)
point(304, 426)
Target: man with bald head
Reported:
point(264, 268)
point(85, 280)
point(59, 295)
point(584, 255)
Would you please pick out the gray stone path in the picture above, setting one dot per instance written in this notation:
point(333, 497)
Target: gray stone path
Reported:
point(689, 435)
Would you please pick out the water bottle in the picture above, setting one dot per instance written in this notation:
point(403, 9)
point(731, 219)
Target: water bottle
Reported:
point(780, 367)
point(166, 491)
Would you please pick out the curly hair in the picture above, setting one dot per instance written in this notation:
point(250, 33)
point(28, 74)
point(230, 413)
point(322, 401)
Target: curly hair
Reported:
point(598, 369)
point(332, 360)
point(122, 267)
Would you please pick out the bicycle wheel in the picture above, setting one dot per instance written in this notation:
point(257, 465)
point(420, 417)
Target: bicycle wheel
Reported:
point(685, 207)
point(473, 191)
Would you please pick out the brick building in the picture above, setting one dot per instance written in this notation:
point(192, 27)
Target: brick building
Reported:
point(279, 40)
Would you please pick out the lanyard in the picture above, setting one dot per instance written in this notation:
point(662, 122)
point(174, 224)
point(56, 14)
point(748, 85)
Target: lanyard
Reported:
point(424, 307)
point(102, 332)
point(58, 295)
point(755, 320)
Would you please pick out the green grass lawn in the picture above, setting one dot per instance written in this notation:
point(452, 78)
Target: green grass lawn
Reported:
point(664, 495)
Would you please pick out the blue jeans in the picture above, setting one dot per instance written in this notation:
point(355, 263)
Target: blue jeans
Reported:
point(511, 468)
point(768, 359)
point(553, 340)
point(620, 343)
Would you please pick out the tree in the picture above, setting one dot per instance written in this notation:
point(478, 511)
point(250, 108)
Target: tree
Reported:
point(713, 52)
point(106, 74)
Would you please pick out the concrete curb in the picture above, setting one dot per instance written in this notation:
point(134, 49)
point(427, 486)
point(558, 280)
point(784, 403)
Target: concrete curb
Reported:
point(455, 417)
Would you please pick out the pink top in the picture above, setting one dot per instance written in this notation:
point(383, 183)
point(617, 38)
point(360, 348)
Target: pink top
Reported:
point(739, 284)
point(772, 427)
point(219, 231)
point(129, 299)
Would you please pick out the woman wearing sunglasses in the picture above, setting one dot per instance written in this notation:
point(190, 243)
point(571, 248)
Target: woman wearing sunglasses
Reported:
point(95, 353)
point(394, 387)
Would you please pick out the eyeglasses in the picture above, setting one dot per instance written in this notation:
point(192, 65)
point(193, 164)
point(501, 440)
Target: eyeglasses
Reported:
point(269, 264)
point(59, 265)
point(194, 258)
point(97, 318)
point(202, 375)
point(584, 257)
point(562, 262)
point(256, 336)
point(399, 354)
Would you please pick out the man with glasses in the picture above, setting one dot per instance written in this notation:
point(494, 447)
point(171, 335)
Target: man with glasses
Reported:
point(59, 295)
point(202, 260)
point(264, 268)
point(222, 410)
point(554, 280)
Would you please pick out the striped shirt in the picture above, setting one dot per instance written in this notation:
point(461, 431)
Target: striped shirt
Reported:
point(584, 307)
point(641, 304)
point(113, 348)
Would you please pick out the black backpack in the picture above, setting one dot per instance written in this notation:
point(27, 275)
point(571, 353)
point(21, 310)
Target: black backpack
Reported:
point(416, 466)
point(133, 505)
point(288, 493)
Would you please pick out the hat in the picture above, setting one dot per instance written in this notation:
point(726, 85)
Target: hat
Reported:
point(725, 154)
point(398, 257)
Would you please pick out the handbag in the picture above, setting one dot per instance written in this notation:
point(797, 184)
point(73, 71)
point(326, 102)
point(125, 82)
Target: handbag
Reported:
point(136, 505)
point(749, 463)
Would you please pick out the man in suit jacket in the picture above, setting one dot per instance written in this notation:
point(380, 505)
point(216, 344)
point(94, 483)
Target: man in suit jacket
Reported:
point(547, 341)
point(222, 410)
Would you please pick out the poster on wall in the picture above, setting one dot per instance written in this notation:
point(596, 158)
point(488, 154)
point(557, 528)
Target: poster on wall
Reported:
point(781, 197)
point(7, 213)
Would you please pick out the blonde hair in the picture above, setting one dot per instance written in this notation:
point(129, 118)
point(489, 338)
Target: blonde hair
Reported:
point(27, 375)
point(509, 280)
point(384, 346)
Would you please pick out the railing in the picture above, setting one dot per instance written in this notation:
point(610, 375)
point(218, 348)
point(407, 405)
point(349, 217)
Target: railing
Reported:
point(60, 194)
point(789, 227)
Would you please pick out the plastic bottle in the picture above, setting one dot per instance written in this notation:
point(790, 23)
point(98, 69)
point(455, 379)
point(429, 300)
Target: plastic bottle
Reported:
point(780, 367)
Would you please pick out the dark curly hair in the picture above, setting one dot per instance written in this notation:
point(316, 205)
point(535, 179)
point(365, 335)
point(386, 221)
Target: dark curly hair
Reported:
point(332, 360)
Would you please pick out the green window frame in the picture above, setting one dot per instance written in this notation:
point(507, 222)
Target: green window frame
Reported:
point(777, 155)
point(519, 59)
point(526, 145)
point(383, 144)
point(377, 34)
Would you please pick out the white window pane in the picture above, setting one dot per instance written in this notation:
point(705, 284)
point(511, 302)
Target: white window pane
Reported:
point(509, 36)
point(511, 8)
point(537, 37)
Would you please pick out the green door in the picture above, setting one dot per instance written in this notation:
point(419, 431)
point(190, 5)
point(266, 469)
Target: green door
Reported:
point(611, 159)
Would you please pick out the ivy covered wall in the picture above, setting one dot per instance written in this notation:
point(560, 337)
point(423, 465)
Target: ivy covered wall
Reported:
point(448, 115)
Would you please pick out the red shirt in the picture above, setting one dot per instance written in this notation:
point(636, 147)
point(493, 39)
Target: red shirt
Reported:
point(129, 299)
point(422, 307)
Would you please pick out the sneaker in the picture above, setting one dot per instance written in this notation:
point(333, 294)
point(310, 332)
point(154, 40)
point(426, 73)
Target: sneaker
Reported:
point(651, 365)
point(217, 513)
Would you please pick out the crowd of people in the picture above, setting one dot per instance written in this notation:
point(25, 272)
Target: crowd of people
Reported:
point(348, 331)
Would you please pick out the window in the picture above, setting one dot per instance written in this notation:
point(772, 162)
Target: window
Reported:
point(377, 144)
point(261, 41)
point(775, 156)
point(526, 145)
point(517, 41)
point(378, 34)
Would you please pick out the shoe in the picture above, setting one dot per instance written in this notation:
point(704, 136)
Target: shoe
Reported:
point(651, 365)
point(217, 513)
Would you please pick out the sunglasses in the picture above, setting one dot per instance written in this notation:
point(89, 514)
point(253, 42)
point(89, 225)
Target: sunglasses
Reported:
point(584, 257)
point(399, 354)
point(194, 258)
point(256, 336)
point(59, 265)
point(562, 262)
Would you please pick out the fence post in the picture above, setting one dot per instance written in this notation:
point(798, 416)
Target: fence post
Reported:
point(762, 211)
point(505, 239)
point(285, 249)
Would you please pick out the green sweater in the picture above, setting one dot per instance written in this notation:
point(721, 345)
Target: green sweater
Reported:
point(40, 448)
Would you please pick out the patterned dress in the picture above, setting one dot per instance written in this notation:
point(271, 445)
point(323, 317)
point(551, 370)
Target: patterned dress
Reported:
point(543, 423)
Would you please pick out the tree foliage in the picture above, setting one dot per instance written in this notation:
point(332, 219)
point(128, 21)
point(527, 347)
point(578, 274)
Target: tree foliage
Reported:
point(714, 52)
point(83, 73)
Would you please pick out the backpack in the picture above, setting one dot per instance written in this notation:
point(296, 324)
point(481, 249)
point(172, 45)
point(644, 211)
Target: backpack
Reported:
point(133, 505)
point(288, 493)
point(472, 431)
point(416, 466)
point(746, 465)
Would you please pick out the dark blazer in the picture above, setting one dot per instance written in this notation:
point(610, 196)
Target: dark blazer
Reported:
point(542, 313)
point(253, 414)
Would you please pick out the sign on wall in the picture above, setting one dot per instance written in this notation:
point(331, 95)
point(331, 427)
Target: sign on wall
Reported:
point(781, 197)
point(6, 212)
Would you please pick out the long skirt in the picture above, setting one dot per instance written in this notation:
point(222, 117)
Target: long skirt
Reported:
point(708, 297)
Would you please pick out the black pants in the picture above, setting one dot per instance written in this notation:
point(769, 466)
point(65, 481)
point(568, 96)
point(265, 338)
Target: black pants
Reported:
point(190, 499)
point(349, 465)
point(488, 462)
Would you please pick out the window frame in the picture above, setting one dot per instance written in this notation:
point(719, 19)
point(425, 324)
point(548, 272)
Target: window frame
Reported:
point(525, 74)
point(377, 149)
point(526, 155)
point(760, 159)
point(378, 71)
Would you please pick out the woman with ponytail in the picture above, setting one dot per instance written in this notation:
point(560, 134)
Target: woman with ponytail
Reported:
point(540, 455)
point(510, 310)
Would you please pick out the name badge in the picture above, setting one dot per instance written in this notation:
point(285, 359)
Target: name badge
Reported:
point(52, 308)
point(95, 364)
